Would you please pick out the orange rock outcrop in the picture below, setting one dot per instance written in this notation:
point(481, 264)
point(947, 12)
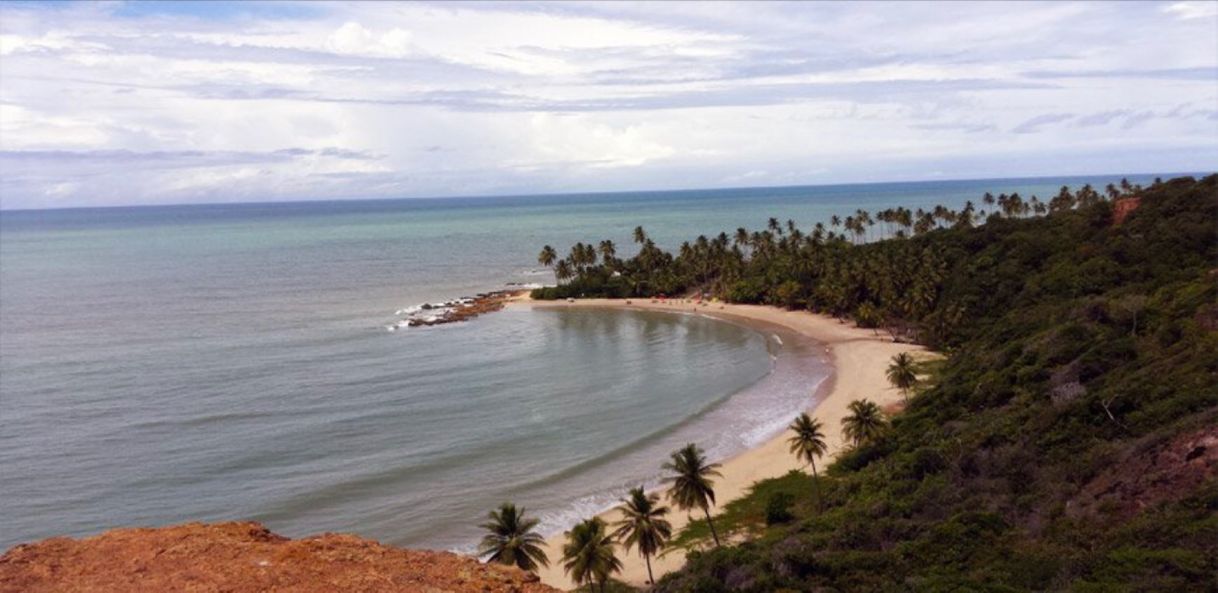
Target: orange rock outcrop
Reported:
point(1123, 207)
point(245, 557)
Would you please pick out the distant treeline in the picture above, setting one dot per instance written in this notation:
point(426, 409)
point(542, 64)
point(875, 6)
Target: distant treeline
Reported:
point(922, 275)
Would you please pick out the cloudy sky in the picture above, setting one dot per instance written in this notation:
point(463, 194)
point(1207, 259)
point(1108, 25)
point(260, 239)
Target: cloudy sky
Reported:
point(135, 103)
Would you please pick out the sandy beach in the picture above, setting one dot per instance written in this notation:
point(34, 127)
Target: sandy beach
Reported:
point(859, 359)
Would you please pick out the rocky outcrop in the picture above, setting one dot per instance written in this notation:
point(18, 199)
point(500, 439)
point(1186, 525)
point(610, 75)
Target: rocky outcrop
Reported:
point(245, 557)
point(467, 309)
point(1122, 208)
point(1150, 474)
point(462, 309)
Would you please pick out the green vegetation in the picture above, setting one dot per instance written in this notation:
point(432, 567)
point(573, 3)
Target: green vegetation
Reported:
point(1064, 443)
point(747, 515)
point(915, 286)
point(512, 539)
point(691, 487)
point(902, 374)
point(808, 444)
point(588, 556)
point(1061, 445)
point(778, 508)
point(643, 525)
point(865, 424)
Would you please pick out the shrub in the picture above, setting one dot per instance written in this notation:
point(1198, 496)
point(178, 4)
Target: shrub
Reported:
point(778, 508)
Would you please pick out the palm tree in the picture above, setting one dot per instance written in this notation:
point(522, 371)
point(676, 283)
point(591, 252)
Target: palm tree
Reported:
point(808, 444)
point(547, 256)
point(640, 236)
point(643, 525)
point(864, 423)
point(691, 486)
point(563, 271)
point(901, 373)
point(741, 237)
point(608, 252)
point(512, 539)
point(588, 555)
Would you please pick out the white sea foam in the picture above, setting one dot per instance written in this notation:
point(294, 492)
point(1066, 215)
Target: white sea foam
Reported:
point(425, 312)
point(555, 522)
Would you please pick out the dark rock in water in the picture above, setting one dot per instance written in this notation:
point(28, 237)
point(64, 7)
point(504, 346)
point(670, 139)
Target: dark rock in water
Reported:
point(467, 308)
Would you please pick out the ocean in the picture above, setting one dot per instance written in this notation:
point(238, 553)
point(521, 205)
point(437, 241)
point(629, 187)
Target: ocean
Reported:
point(215, 362)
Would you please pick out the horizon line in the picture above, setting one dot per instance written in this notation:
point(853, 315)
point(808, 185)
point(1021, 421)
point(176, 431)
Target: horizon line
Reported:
point(507, 196)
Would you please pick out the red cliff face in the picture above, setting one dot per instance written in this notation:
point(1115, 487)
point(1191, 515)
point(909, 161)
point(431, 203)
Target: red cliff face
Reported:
point(1122, 207)
point(245, 557)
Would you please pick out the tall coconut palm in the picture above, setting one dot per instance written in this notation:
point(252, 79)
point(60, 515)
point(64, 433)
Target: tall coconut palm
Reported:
point(691, 486)
point(807, 444)
point(547, 256)
point(640, 236)
point(512, 540)
point(865, 422)
point(588, 555)
point(643, 525)
point(901, 373)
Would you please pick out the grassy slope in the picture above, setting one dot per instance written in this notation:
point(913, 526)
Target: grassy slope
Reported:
point(989, 481)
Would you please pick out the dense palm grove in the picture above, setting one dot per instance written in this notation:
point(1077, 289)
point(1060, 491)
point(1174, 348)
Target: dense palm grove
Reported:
point(1067, 442)
point(846, 269)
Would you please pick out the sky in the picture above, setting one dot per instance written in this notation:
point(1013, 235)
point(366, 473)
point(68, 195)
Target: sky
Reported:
point(122, 103)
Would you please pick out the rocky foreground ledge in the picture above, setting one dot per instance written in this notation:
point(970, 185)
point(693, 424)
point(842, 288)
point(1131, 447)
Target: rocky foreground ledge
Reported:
point(245, 557)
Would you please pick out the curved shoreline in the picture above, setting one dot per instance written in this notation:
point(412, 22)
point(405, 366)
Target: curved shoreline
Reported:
point(859, 359)
point(734, 421)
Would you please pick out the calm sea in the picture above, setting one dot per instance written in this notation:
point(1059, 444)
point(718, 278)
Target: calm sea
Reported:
point(167, 364)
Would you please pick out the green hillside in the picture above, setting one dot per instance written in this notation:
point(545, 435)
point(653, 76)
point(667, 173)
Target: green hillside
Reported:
point(1068, 442)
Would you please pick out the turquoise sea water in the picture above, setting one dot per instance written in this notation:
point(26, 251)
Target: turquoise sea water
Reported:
point(165, 364)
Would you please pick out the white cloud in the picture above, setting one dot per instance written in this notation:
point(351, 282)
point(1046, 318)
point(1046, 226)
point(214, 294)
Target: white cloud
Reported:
point(57, 41)
point(1192, 10)
point(352, 38)
point(516, 98)
point(581, 140)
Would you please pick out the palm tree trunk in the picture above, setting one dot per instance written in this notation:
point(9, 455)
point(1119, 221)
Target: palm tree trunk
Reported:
point(651, 580)
point(712, 525)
